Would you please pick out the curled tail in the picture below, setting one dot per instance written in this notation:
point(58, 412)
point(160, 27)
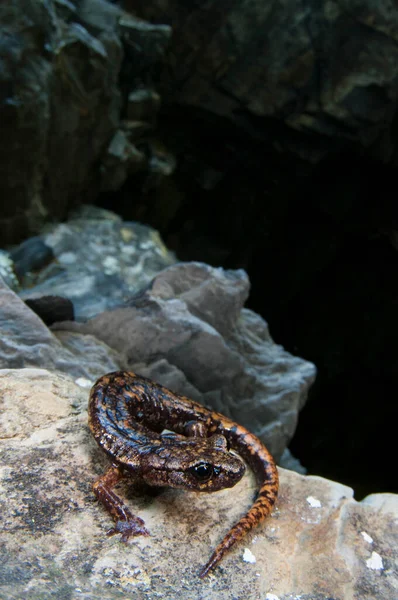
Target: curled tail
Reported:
point(262, 463)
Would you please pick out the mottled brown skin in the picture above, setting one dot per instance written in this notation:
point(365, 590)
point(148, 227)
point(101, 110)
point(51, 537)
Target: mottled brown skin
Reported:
point(127, 414)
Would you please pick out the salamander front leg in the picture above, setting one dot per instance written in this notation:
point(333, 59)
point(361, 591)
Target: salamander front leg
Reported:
point(126, 523)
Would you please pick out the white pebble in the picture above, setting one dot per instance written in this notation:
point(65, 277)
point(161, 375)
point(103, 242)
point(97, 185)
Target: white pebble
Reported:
point(375, 562)
point(67, 258)
point(248, 556)
point(111, 265)
point(314, 502)
point(83, 382)
point(366, 537)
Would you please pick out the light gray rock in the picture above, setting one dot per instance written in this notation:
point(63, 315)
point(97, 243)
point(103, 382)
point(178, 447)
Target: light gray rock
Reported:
point(101, 260)
point(319, 543)
point(25, 341)
point(192, 319)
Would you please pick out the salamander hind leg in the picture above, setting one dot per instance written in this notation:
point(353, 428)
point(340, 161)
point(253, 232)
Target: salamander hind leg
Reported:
point(125, 522)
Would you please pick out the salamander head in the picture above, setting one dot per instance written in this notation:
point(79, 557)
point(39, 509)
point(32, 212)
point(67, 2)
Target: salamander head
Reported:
point(198, 464)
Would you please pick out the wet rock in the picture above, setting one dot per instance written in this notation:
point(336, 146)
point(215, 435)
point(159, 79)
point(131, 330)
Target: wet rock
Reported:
point(192, 317)
point(318, 544)
point(101, 261)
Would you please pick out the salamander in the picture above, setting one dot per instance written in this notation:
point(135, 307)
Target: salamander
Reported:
point(128, 416)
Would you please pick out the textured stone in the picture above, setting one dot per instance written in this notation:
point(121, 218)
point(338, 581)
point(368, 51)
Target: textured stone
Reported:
point(101, 260)
point(7, 270)
point(25, 341)
point(192, 318)
point(60, 105)
point(121, 159)
point(319, 543)
point(32, 255)
point(186, 329)
point(327, 71)
point(57, 114)
point(51, 309)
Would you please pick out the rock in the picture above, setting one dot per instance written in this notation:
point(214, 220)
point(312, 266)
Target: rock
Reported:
point(58, 118)
point(31, 255)
point(25, 341)
point(121, 159)
point(161, 165)
point(7, 271)
point(143, 105)
point(51, 309)
point(192, 318)
point(100, 261)
point(186, 329)
point(60, 106)
point(319, 543)
point(145, 44)
point(99, 16)
point(288, 461)
point(307, 77)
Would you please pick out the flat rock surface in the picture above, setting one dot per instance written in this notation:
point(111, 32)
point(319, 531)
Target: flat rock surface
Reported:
point(319, 543)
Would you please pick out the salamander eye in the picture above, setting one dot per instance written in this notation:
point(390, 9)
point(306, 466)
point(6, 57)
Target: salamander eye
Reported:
point(202, 471)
